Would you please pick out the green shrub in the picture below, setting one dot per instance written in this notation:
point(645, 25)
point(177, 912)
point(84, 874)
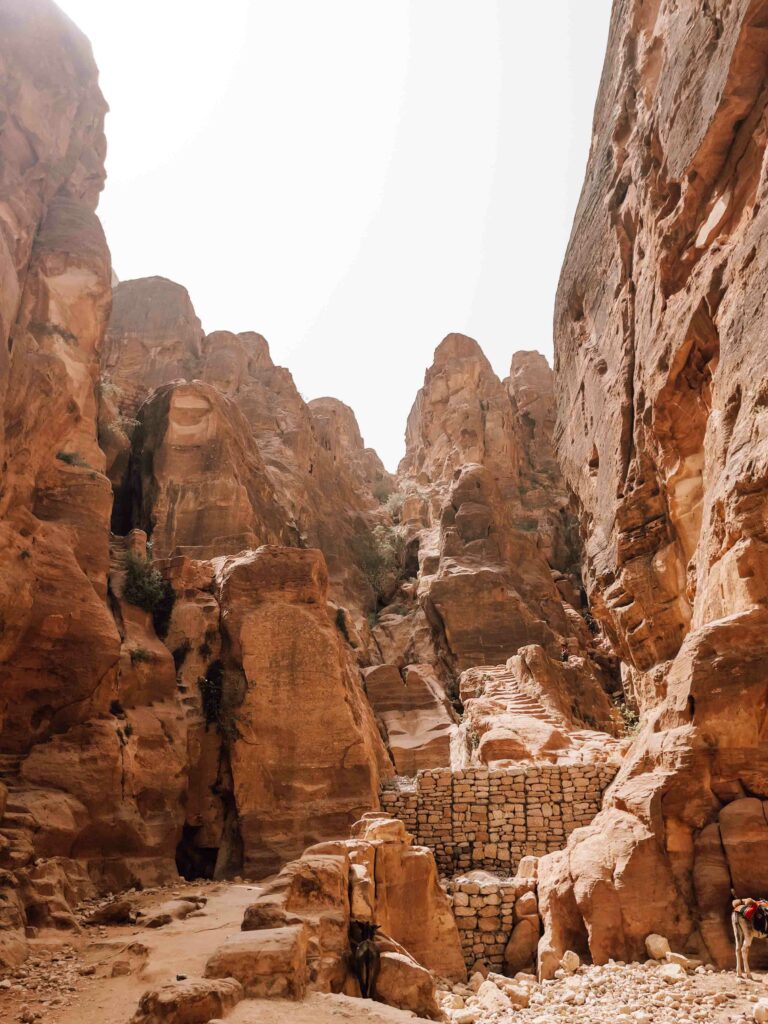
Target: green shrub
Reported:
point(378, 553)
point(396, 499)
point(341, 623)
point(629, 716)
point(139, 654)
point(73, 459)
point(48, 328)
point(146, 588)
point(128, 729)
point(381, 490)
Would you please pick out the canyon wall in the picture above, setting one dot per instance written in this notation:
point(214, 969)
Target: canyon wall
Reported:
point(663, 436)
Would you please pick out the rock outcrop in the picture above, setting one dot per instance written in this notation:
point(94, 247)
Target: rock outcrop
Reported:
point(492, 549)
point(314, 478)
point(203, 484)
point(91, 785)
point(283, 749)
point(661, 390)
point(299, 934)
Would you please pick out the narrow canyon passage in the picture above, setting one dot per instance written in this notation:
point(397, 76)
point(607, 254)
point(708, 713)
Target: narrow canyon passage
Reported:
point(487, 735)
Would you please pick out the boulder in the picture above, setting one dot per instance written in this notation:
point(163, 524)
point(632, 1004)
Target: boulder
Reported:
point(269, 964)
point(520, 951)
point(194, 1001)
point(405, 984)
point(657, 947)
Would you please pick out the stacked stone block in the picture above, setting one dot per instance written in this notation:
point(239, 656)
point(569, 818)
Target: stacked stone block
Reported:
point(491, 818)
point(484, 915)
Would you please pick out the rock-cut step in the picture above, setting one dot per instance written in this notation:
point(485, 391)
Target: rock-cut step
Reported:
point(9, 767)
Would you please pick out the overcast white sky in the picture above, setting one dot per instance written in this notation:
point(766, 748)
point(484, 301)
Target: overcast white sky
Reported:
point(352, 178)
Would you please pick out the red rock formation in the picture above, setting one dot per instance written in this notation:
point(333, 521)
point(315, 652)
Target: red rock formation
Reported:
point(204, 487)
point(317, 470)
point(282, 745)
point(662, 385)
point(293, 784)
point(484, 512)
point(90, 737)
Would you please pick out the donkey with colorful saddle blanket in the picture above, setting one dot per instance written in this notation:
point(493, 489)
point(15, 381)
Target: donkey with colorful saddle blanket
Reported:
point(750, 921)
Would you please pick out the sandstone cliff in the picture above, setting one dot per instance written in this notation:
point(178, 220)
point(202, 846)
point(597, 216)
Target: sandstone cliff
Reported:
point(300, 475)
point(494, 553)
point(661, 390)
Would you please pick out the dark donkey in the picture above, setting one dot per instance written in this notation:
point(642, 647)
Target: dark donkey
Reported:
point(365, 956)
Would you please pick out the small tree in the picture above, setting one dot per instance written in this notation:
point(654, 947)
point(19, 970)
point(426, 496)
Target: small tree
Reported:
point(146, 588)
point(378, 554)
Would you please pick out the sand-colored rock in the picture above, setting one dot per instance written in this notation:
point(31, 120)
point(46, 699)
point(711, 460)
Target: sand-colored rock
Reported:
point(661, 382)
point(292, 785)
point(416, 714)
point(271, 963)
point(536, 708)
point(405, 984)
point(195, 1001)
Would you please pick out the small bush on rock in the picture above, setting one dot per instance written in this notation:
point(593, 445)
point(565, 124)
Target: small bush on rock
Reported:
point(146, 588)
point(73, 459)
point(378, 554)
point(139, 654)
point(221, 693)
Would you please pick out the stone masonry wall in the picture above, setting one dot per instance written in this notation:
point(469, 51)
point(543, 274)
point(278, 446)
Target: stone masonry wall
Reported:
point(491, 818)
point(484, 911)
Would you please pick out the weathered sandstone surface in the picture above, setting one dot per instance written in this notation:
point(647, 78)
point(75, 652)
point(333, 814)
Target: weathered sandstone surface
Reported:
point(661, 389)
point(296, 936)
point(493, 551)
point(90, 785)
point(272, 467)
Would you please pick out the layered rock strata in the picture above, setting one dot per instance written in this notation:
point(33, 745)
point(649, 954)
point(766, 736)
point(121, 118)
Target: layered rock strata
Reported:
point(661, 389)
point(266, 463)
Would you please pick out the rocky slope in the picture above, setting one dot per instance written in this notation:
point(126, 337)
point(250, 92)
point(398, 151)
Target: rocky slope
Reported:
point(494, 552)
point(273, 468)
point(661, 390)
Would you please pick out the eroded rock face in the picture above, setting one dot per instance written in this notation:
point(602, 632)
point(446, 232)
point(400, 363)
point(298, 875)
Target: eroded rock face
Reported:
point(303, 926)
point(492, 547)
point(304, 471)
point(416, 714)
point(661, 383)
point(204, 486)
point(282, 744)
point(91, 740)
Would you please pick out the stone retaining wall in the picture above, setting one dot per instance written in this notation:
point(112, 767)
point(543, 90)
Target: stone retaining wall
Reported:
point(491, 818)
point(484, 915)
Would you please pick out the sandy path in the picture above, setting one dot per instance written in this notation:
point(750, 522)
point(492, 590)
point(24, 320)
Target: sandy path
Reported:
point(317, 1009)
point(181, 947)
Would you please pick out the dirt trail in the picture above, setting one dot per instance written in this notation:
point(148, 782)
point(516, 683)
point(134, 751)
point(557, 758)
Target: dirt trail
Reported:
point(154, 956)
point(318, 1009)
point(181, 947)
